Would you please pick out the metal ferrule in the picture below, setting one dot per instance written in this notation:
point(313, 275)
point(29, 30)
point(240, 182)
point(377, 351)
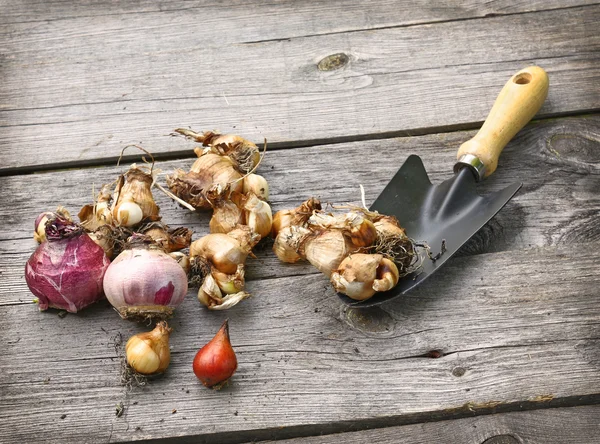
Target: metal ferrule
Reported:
point(474, 164)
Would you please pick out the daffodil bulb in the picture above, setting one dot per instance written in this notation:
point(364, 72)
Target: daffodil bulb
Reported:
point(360, 276)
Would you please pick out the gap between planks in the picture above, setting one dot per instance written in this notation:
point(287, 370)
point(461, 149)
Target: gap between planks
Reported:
point(468, 410)
point(298, 144)
point(422, 23)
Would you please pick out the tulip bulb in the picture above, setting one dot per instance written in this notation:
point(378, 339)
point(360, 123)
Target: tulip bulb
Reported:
point(148, 353)
point(216, 362)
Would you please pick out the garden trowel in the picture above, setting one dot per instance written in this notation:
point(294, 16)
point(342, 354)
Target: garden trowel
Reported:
point(447, 215)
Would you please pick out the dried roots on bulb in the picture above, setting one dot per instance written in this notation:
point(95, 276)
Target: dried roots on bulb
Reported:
point(226, 162)
point(112, 239)
point(217, 266)
point(242, 152)
point(222, 179)
point(127, 206)
point(208, 173)
point(362, 252)
point(169, 239)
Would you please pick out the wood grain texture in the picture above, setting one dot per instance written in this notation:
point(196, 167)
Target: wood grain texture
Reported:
point(76, 94)
point(507, 330)
point(575, 425)
point(557, 160)
point(518, 326)
point(279, 19)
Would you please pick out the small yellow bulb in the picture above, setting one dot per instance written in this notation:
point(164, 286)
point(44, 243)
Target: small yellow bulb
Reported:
point(148, 353)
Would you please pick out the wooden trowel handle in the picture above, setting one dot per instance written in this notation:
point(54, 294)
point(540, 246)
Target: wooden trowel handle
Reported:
point(520, 99)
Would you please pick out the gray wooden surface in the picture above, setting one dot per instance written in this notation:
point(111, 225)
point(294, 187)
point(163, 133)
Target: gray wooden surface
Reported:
point(536, 427)
point(511, 323)
point(74, 87)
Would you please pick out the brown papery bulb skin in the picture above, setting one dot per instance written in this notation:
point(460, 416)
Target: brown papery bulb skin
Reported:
point(132, 200)
point(216, 362)
point(258, 215)
point(388, 226)
point(226, 216)
point(149, 353)
point(223, 251)
point(326, 250)
point(298, 216)
point(360, 276)
point(281, 219)
point(362, 231)
point(169, 239)
point(287, 243)
point(257, 184)
point(208, 171)
point(241, 151)
point(94, 216)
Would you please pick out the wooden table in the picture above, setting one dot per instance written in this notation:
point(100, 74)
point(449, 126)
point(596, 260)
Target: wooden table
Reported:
point(501, 346)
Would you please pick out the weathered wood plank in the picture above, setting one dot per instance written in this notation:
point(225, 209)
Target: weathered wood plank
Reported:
point(509, 330)
point(557, 158)
point(82, 95)
point(574, 425)
point(270, 19)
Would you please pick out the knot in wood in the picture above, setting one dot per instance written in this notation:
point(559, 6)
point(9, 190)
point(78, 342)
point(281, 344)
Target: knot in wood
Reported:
point(369, 320)
point(333, 62)
point(501, 439)
point(458, 372)
point(583, 149)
